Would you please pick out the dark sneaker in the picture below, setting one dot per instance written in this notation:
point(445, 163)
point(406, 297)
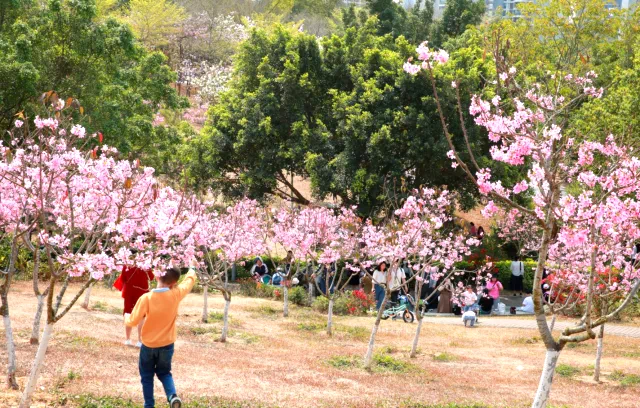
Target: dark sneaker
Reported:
point(175, 402)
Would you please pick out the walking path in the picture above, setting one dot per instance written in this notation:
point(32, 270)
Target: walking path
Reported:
point(530, 323)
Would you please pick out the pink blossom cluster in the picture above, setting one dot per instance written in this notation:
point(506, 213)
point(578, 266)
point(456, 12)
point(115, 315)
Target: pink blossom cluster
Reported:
point(585, 193)
point(428, 57)
point(90, 209)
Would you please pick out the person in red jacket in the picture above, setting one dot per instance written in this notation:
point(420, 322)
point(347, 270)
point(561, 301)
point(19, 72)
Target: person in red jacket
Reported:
point(135, 283)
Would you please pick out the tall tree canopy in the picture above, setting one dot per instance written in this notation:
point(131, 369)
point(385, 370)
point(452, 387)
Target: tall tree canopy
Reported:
point(341, 113)
point(63, 45)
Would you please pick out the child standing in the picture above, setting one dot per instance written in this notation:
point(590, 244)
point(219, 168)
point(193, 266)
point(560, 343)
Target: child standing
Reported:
point(160, 306)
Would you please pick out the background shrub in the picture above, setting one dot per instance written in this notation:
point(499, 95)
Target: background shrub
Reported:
point(298, 295)
point(504, 273)
point(321, 304)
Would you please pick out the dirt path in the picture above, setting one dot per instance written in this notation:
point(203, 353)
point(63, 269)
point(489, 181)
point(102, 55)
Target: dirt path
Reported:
point(529, 323)
point(293, 363)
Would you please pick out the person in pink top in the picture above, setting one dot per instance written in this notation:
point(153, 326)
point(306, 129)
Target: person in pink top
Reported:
point(494, 286)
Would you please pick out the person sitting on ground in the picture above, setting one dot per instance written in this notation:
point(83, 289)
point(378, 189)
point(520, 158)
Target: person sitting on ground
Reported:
point(480, 233)
point(469, 317)
point(527, 304)
point(159, 309)
point(469, 299)
point(485, 302)
point(259, 269)
point(472, 230)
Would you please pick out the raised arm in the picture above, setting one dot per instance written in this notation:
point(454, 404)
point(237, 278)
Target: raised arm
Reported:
point(189, 280)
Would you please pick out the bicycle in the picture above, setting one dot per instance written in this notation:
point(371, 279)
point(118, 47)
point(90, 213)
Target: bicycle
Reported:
point(401, 309)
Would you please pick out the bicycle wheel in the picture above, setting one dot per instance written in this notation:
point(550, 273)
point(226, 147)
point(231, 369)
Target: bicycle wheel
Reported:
point(407, 316)
point(384, 316)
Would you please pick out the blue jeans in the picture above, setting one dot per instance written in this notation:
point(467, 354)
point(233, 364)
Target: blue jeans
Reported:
point(470, 319)
point(156, 361)
point(379, 295)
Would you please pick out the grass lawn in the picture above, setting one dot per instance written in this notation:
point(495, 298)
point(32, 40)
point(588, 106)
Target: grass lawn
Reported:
point(270, 361)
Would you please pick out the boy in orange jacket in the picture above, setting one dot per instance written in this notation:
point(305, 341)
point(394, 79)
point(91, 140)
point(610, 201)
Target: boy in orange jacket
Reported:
point(160, 307)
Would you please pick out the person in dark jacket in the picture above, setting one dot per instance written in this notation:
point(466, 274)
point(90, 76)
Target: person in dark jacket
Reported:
point(485, 302)
point(259, 269)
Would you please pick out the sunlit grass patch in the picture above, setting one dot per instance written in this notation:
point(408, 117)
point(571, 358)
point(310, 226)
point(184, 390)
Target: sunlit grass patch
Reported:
point(567, 371)
point(444, 357)
point(525, 340)
point(106, 308)
point(625, 379)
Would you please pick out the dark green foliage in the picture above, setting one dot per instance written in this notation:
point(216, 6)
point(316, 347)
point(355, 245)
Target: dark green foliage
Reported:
point(61, 45)
point(298, 296)
point(345, 115)
point(458, 15)
point(504, 273)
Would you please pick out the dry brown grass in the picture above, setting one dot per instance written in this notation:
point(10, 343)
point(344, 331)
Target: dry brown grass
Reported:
point(285, 362)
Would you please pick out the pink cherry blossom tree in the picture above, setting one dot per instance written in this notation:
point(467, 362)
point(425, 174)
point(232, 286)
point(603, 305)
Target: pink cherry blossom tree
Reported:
point(82, 208)
point(303, 233)
point(419, 232)
point(228, 238)
point(342, 242)
point(521, 230)
point(68, 205)
point(575, 182)
point(12, 229)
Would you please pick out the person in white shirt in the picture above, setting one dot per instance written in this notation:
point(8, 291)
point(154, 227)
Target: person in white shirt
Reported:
point(469, 318)
point(469, 299)
point(527, 305)
point(517, 276)
point(398, 281)
point(380, 281)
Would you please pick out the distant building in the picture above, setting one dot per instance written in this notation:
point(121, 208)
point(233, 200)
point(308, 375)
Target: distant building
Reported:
point(507, 7)
point(357, 3)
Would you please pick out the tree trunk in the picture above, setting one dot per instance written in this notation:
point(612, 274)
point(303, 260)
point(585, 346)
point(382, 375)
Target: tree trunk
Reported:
point(11, 352)
point(546, 379)
point(414, 347)
point(87, 296)
point(553, 322)
point(285, 296)
point(596, 371)
point(330, 318)
point(225, 320)
point(25, 401)
point(368, 358)
point(205, 303)
point(35, 331)
point(4, 310)
point(312, 290)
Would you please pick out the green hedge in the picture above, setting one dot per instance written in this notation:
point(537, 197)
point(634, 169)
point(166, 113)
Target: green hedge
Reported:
point(504, 273)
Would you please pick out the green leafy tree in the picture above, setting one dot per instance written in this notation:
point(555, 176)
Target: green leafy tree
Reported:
point(343, 115)
point(392, 16)
point(419, 22)
point(64, 46)
point(457, 16)
point(154, 21)
point(262, 128)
